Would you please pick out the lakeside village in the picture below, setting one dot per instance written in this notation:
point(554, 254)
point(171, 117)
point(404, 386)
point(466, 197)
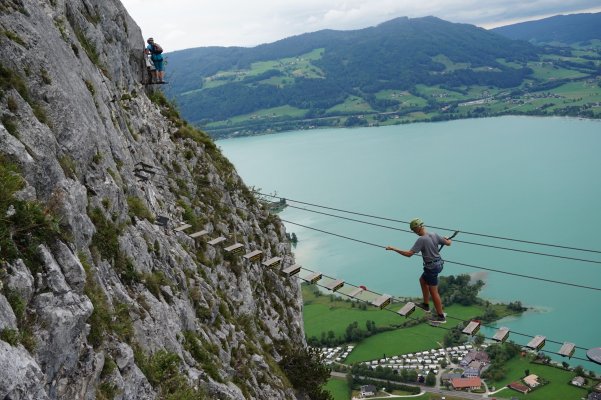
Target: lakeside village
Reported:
point(455, 368)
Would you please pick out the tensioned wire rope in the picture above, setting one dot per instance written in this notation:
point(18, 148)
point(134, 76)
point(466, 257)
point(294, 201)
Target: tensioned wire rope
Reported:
point(450, 261)
point(455, 240)
point(432, 226)
point(448, 316)
point(400, 300)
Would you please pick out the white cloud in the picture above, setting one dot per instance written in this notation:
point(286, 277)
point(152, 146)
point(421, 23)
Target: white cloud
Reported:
point(180, 24)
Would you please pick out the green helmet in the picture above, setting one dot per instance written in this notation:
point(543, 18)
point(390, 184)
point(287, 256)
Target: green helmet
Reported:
point(416, 223)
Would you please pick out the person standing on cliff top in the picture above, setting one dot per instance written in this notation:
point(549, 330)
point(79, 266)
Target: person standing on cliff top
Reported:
point(427, 244)
point(156, 56)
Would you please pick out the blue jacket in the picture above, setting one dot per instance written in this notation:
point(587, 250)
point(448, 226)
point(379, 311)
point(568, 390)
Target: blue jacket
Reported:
point(153, 56)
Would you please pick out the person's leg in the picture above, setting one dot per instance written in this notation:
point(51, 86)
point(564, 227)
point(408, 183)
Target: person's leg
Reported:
point(425, 291)
point(436, 299)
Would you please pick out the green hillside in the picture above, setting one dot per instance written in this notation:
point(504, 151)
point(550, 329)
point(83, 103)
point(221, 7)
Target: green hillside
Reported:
point(400, 71)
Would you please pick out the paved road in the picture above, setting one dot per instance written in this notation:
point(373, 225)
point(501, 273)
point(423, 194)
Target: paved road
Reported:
point(456, 394)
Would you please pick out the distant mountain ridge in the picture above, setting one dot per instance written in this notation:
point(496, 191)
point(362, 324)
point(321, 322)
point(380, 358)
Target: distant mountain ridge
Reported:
point(395, 55)
point(568, 29)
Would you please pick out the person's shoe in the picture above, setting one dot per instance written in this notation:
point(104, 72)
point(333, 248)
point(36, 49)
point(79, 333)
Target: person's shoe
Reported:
point(438, 319)
point(423, 306)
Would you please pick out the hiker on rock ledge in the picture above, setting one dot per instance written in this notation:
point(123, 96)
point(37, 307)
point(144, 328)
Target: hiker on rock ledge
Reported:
point(156, 56)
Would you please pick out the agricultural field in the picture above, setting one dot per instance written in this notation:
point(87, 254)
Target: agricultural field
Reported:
point(290, 68)
point(268, 113)
point(338, 388)
point(450, 65)
point(545, 71)
point(439, 94)
point(352, 104)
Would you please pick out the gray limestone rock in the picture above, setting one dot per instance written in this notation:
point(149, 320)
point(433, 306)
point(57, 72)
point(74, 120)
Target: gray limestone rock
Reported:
point(71, 267)
point(7, 316)
point(20, 279)
point(84, 124)
point(21, 378)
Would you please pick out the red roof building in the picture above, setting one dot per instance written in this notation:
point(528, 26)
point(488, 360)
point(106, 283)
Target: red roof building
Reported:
point(466, 383)
point(520, 387)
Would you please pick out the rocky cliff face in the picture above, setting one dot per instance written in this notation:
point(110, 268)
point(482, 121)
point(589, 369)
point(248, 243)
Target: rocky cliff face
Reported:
point(98, 300)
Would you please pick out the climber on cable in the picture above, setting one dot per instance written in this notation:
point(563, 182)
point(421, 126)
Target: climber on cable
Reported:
point(427, 244)
point(156, 56)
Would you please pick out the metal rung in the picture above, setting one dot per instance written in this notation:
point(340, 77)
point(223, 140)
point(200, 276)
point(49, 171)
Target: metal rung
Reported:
point(472, 328)
point(148, 171)
point(314, 277)
point(254, 255)
point(292, 270)
point(182, 227)
point(501, 334)
point(141, 177)
point(217, 241)
point(273, 262)
point(407, 309)
point(162, 220)
point(567, 350)
point(382, 301)
point(235, 248)
point(537, 343)
point(198, 234)
point(335, 285)
point(144, 165)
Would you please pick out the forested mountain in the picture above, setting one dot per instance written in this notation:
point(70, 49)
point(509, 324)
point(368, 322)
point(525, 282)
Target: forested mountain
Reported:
point(401, 71)
point(568, 29)
point(314, 72)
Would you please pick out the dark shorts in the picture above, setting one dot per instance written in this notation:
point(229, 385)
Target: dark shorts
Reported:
point(159, 65)
point(430, 274)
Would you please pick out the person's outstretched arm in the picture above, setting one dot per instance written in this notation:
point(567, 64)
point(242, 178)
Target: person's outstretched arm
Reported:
point(406, 253)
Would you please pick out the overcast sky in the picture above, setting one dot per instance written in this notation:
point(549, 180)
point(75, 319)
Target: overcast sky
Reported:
point(181, 24)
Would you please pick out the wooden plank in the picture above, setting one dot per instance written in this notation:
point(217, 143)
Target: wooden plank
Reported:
point(254, 255)
point(292, 270)
point(182, 227)
point(198, 234)
point(501, 334)
point(356, 292)
point(314, 277)
point(216, 241)
point(382, 301)
point(273, 262)
point(335, 285)
point(472, 328)
point(537, 343)
point(235, 248)
point(567, 349)
point(407, 309)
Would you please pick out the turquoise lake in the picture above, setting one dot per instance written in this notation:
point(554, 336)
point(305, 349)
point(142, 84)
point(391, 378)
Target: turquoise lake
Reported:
point(533, 179)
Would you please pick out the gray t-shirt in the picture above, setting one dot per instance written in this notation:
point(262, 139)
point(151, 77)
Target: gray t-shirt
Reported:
point(428, 246)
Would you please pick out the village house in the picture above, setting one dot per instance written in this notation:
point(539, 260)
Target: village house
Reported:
point(578, 381)
point(473, 369)
point(368, 391)
point(519, 386)
point(531, 380)
point(466, 383)
point(473, 355)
